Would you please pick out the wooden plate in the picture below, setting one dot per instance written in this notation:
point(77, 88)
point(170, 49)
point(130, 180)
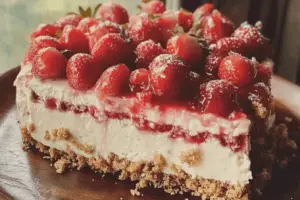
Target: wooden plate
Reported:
point(25, 175)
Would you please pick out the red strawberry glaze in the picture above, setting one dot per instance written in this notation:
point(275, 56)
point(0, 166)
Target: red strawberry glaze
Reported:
point(83, 71)
point(215, 26)
point(113, 81)
point(111, 49)
point(113, 12)
point(139, 79)
point(167, 75)
point(86, 23)
point(237, 69)
point(146, 52)
point(49, 63)
point(142, 28)
point(71, 19)
point(153, 7)
point(218, 97)
point(227, 44)
point(45, 30)
point(39, 43)
point(235, 143)
point(97, 32)
point(74, 40)
point(144, 96)
point(186, 47)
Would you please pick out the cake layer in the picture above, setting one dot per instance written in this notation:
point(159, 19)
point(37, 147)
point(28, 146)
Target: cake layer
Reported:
point(98, 139)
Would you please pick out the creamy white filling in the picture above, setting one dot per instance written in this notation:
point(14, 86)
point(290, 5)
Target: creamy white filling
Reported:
point(122, 138)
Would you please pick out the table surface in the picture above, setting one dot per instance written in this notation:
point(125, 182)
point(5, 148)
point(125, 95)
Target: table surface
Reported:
point(25, 175)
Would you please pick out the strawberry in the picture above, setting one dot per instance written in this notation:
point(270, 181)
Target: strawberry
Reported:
point(49, 63)
point(83, 71)
point(113, 81)
point(74, 40)
point(146, 52)
point(144, 96)
point(227, 44)
point(153, 7)
point(111, 49)
point(86, 23)
point(39, 43)
point(185, 19)
point(97, 32)
point(218, 97)
point(168, 23)
point(237, 69)
point(71, 19)
point(167, 75)
point(45, 30)
point(143, 28)
point(113, 12)
point(264, 72)
point(213, 62)
point(260, 99)
point(203, 10)
point(254, 41)
point(139, 79)
point(215, 26)
point(186, 47)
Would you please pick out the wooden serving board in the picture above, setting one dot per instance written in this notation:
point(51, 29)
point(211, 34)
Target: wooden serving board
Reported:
point(25, 175)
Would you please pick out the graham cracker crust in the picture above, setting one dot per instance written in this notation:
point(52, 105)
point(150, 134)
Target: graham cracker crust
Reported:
point(144, 173)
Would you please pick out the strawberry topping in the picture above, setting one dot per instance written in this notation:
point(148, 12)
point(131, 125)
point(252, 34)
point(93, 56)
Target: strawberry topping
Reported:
point(113, 12)
point(113, 81)
point(143, 28)
point(97, 32)
point(45, 30)
point(186, 47)
point(146, 52)
point(167, 75)
point(215, 26)
point(111, 49)
point(139, 79)
point(74, 40)
point(86, 23)
point(39, 43)
point(218, 97)
point(153, 7)
point(237, 69)
point(83, 71)
point(49, 63)
point(71, 19)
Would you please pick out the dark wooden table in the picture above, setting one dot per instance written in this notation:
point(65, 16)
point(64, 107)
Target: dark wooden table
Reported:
point(25, 175)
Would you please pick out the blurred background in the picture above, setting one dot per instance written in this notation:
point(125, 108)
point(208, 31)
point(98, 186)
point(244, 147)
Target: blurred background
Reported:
point(281, 19)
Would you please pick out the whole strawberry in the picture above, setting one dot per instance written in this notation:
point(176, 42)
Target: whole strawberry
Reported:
point(186, 47)
point(113, 12)
point(74, 40)
point(146, 52)
point(83, 71)
point(168, 74)
point(49, 63)
point(113, 81)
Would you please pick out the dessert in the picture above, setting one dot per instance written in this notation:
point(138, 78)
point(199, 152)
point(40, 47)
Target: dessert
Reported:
point(161, 100)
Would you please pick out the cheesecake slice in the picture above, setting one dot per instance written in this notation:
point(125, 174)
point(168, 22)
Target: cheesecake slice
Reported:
point(178, 101)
